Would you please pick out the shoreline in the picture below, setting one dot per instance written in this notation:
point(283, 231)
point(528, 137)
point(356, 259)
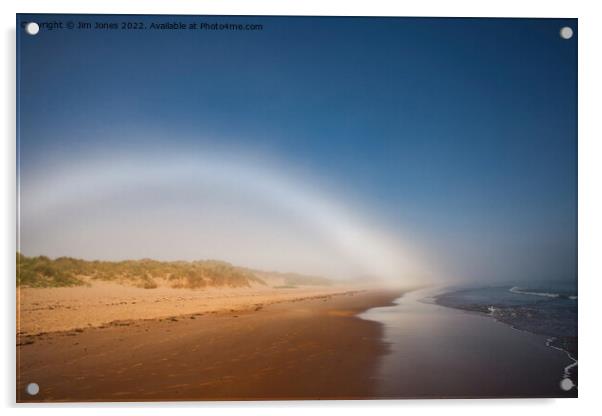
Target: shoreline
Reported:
point(314, 347)
point(567, 369)
point(549, 341)
point(456, 353)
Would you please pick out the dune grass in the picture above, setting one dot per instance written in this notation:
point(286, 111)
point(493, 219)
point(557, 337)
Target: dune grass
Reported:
point(42, 271)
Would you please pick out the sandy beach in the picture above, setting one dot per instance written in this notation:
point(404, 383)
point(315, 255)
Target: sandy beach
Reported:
point(66, 308)
point(243, 344)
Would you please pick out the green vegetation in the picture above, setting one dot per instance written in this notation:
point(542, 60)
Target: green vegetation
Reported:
point(42, 271)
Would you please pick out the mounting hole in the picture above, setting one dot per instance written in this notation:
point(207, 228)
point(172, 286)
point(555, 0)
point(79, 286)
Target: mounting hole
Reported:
point(566, 32)
point(566, 384)
point(32, 28)
point(32, 389)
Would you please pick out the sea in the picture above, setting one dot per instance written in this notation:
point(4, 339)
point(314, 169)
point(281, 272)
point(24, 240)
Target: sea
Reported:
point(548, 309)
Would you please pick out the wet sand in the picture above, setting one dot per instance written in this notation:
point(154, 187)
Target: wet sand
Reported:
point(312, 347)
point(440, 352)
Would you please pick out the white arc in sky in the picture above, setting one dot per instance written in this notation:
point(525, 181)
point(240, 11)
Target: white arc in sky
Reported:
point(50, 202)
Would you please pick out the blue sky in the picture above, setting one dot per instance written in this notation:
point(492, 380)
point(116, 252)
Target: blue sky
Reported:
point(457, 135)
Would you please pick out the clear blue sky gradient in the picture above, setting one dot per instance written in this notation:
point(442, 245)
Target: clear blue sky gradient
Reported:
point(452, 128)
